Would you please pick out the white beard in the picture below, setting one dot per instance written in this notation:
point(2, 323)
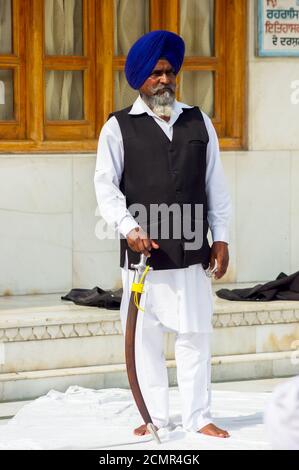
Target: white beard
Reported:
point(160, 104)
point(162, 110)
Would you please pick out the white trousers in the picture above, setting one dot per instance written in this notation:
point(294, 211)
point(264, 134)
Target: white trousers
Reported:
point(193, 360)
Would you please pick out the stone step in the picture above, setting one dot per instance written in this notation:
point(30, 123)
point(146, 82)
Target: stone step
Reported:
point(9, 409)
point(47, 343)
point(48, 309)
point(30, 385)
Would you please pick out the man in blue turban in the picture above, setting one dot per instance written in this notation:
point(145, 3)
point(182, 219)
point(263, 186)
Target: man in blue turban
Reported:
point(154, 54)
point(161, 153)
point(146, 52)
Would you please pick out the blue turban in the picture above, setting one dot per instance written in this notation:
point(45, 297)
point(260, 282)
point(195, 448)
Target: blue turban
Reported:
point(146, 52)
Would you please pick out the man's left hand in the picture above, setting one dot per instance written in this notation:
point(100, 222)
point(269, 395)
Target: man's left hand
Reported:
point(219, 252)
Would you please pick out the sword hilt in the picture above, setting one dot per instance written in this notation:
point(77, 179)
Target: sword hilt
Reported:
point(141, 266)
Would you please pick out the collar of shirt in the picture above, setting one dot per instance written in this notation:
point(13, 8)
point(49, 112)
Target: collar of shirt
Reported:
point(140, 107)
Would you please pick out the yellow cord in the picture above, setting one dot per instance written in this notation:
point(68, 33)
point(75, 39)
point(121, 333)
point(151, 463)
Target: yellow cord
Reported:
point(137, 287)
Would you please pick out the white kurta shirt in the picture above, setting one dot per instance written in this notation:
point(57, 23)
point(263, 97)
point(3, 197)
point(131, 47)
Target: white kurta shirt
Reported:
point(181, 299)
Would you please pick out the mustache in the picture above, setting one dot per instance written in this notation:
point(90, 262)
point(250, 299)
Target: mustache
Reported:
point(170, 88)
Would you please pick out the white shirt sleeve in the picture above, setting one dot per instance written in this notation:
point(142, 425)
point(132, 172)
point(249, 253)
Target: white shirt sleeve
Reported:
point(219, 202)
point(108, 173)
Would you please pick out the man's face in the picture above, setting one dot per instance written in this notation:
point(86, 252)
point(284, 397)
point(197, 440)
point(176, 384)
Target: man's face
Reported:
point(161, 81)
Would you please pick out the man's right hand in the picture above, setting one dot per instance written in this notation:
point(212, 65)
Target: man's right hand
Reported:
point(139, 241)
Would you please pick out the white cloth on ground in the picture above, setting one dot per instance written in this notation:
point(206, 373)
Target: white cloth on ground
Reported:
point(282, 416)
point(82, 418)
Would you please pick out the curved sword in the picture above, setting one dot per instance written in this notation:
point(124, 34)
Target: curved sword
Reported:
point(130, 350)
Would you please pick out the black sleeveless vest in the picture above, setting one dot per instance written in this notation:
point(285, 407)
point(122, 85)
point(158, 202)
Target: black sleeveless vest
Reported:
point(157, 171)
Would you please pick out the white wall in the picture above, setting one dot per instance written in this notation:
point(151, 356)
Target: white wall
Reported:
point(264, 180)
point(47, 202)
point(47, 226)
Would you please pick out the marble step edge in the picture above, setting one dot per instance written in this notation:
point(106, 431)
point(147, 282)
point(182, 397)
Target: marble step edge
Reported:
point(116, 368)
point(55, 328)
point(64, 311)
point(9, 409)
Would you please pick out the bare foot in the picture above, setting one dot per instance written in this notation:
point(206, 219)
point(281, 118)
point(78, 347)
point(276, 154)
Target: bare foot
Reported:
point(141, 431)
point(212, 430)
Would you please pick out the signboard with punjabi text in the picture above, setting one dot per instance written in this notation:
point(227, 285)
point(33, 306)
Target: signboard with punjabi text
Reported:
point(278, 28)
